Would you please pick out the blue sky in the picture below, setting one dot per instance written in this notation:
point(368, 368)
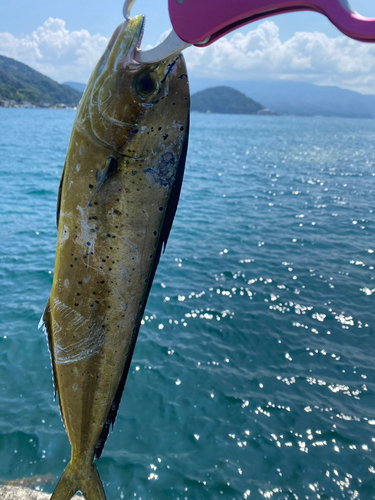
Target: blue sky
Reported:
point(64, 38)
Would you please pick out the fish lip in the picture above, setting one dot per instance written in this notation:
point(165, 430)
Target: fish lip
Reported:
point(129, 62)
point(125, 63)
point(140, 38)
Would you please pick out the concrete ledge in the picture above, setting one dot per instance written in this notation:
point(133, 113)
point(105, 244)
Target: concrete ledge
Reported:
point(20, 493)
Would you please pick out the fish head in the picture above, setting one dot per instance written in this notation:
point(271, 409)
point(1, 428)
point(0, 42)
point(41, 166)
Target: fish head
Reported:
point(125, 98)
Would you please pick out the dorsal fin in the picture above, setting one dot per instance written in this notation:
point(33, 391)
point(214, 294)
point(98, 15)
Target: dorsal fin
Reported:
point(59, 197)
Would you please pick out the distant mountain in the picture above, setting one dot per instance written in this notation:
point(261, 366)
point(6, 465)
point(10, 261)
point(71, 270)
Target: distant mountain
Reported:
point(18, 82)
point(300, 99)
point(224, 100)
point(76, 85)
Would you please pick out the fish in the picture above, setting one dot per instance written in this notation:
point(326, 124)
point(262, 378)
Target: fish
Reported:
point(117, 199)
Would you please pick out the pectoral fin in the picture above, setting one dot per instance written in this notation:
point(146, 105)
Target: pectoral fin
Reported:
point(103, 175)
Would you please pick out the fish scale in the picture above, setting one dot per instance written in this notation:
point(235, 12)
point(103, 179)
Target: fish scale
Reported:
point(117, 199)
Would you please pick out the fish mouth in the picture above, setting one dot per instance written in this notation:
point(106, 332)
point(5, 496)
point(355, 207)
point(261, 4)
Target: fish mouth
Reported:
point(131, 30)
point(108, 97)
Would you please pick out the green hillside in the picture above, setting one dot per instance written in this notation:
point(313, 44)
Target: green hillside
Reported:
point(18, 82)
point(224, 100)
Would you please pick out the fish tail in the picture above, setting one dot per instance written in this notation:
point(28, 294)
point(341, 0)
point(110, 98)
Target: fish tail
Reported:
point(79, 477)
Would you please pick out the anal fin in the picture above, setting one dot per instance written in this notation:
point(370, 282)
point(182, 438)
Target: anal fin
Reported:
point(47, 321)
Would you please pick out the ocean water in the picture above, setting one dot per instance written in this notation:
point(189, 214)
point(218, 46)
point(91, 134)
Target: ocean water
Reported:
point(253, 376)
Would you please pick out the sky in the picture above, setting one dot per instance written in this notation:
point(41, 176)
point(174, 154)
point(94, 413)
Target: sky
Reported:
point(63, 39)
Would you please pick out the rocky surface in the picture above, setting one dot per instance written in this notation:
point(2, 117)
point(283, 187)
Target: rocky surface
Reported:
point(20, 493)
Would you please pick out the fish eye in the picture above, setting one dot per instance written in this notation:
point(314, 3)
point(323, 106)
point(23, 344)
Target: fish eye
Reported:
point(146, 84)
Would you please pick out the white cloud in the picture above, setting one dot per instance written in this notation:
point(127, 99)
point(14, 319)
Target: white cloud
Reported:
point(261, 55)
point(55, 51)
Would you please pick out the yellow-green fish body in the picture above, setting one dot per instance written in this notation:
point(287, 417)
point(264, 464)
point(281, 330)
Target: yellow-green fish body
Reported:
point(117, 198)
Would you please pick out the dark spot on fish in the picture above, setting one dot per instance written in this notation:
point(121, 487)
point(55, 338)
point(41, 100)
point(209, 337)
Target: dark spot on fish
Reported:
point(103, 260)
point(94, 217)
point(76, 304)
point(174, 104)
point(97, 302)
point(181, 128)
point(108, 235)
point(94, 293)
point(95, 203)
point(100, 267)
point(75, 258)
point(91, 305)
point(161, 209)
point(129, 150)
point(78, 294)
point(88, 243)
point(102, 282)
point(113, 236)
point(145, 282)
point(159, 128)
point(165, 136)
point(109, 307)
point(110, 248)
point(110, 269)
point(71, 265)
point(93, 230)
point(151, 256)
point(155, 233)
point(133, 328)
point(91, 186)
point(134, 130)
point(80, 282)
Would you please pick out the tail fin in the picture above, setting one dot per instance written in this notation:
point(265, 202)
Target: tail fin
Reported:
point(79, 477)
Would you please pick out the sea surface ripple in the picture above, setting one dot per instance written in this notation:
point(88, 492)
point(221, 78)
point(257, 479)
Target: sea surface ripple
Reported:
point(253, 376)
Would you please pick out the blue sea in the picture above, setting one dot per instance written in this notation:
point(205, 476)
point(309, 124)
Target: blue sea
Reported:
point(254, 372)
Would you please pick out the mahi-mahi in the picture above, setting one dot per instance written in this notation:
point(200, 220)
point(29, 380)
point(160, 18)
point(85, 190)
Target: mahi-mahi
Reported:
point(117, 199)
